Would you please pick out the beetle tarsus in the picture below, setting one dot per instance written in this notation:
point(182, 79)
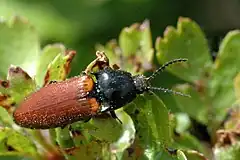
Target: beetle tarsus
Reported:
point(113, 114)
point(51, 82)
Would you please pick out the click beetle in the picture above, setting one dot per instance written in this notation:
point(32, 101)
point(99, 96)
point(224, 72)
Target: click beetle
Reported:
point(92, 93)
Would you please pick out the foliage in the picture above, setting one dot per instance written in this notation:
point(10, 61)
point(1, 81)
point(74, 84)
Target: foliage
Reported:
point(149, 129)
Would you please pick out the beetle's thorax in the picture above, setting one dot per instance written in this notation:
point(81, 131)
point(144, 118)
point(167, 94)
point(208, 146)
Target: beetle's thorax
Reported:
point(114, 88)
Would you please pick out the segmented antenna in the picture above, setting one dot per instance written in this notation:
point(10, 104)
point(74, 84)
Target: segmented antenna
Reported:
point(162, 68)
point(168, 91)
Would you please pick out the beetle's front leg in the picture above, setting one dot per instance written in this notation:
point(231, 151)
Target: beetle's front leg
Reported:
point(113, 114)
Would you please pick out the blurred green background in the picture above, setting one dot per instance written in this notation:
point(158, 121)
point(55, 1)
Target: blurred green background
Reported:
point(80, 24)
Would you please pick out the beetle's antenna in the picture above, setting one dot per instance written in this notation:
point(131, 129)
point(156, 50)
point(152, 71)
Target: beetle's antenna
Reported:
point(168, 91)
point(162, 68)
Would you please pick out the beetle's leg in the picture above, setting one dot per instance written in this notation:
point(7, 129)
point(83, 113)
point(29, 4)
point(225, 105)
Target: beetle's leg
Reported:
point(115, 67)
point(113, 114)
point(99, 63)
point(51, 82)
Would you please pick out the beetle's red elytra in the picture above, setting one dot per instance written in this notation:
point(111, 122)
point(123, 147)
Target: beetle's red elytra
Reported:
point(82, 97)
point(58, 104)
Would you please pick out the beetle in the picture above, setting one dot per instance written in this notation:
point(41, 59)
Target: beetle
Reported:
point(83, 97)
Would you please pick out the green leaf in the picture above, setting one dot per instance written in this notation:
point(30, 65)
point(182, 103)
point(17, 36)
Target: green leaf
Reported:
point(98, 132)
point(129, 40)
point(181, 155)
point(90, 150)
point(134, 52)
point(136, 38)
point(64, 138)
point(186, 141)
point(227, 60)
point(13, 142)
point(21, 84)
point(195, 106)
point(171, 154)
point(152, 124)
point(156, 115)
point(19, 45)
point(128, 132)
point(161, 119)
point(59, 68)
point(47, 56)
point(225, 68)
point(79, 144)
point(146, 140)
point(237, 86)
point(17, 86)
point(100, 127)
point(14, 157)
point(187, 41)
point(136, 46)
point(5, 118)
point(65, 141)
